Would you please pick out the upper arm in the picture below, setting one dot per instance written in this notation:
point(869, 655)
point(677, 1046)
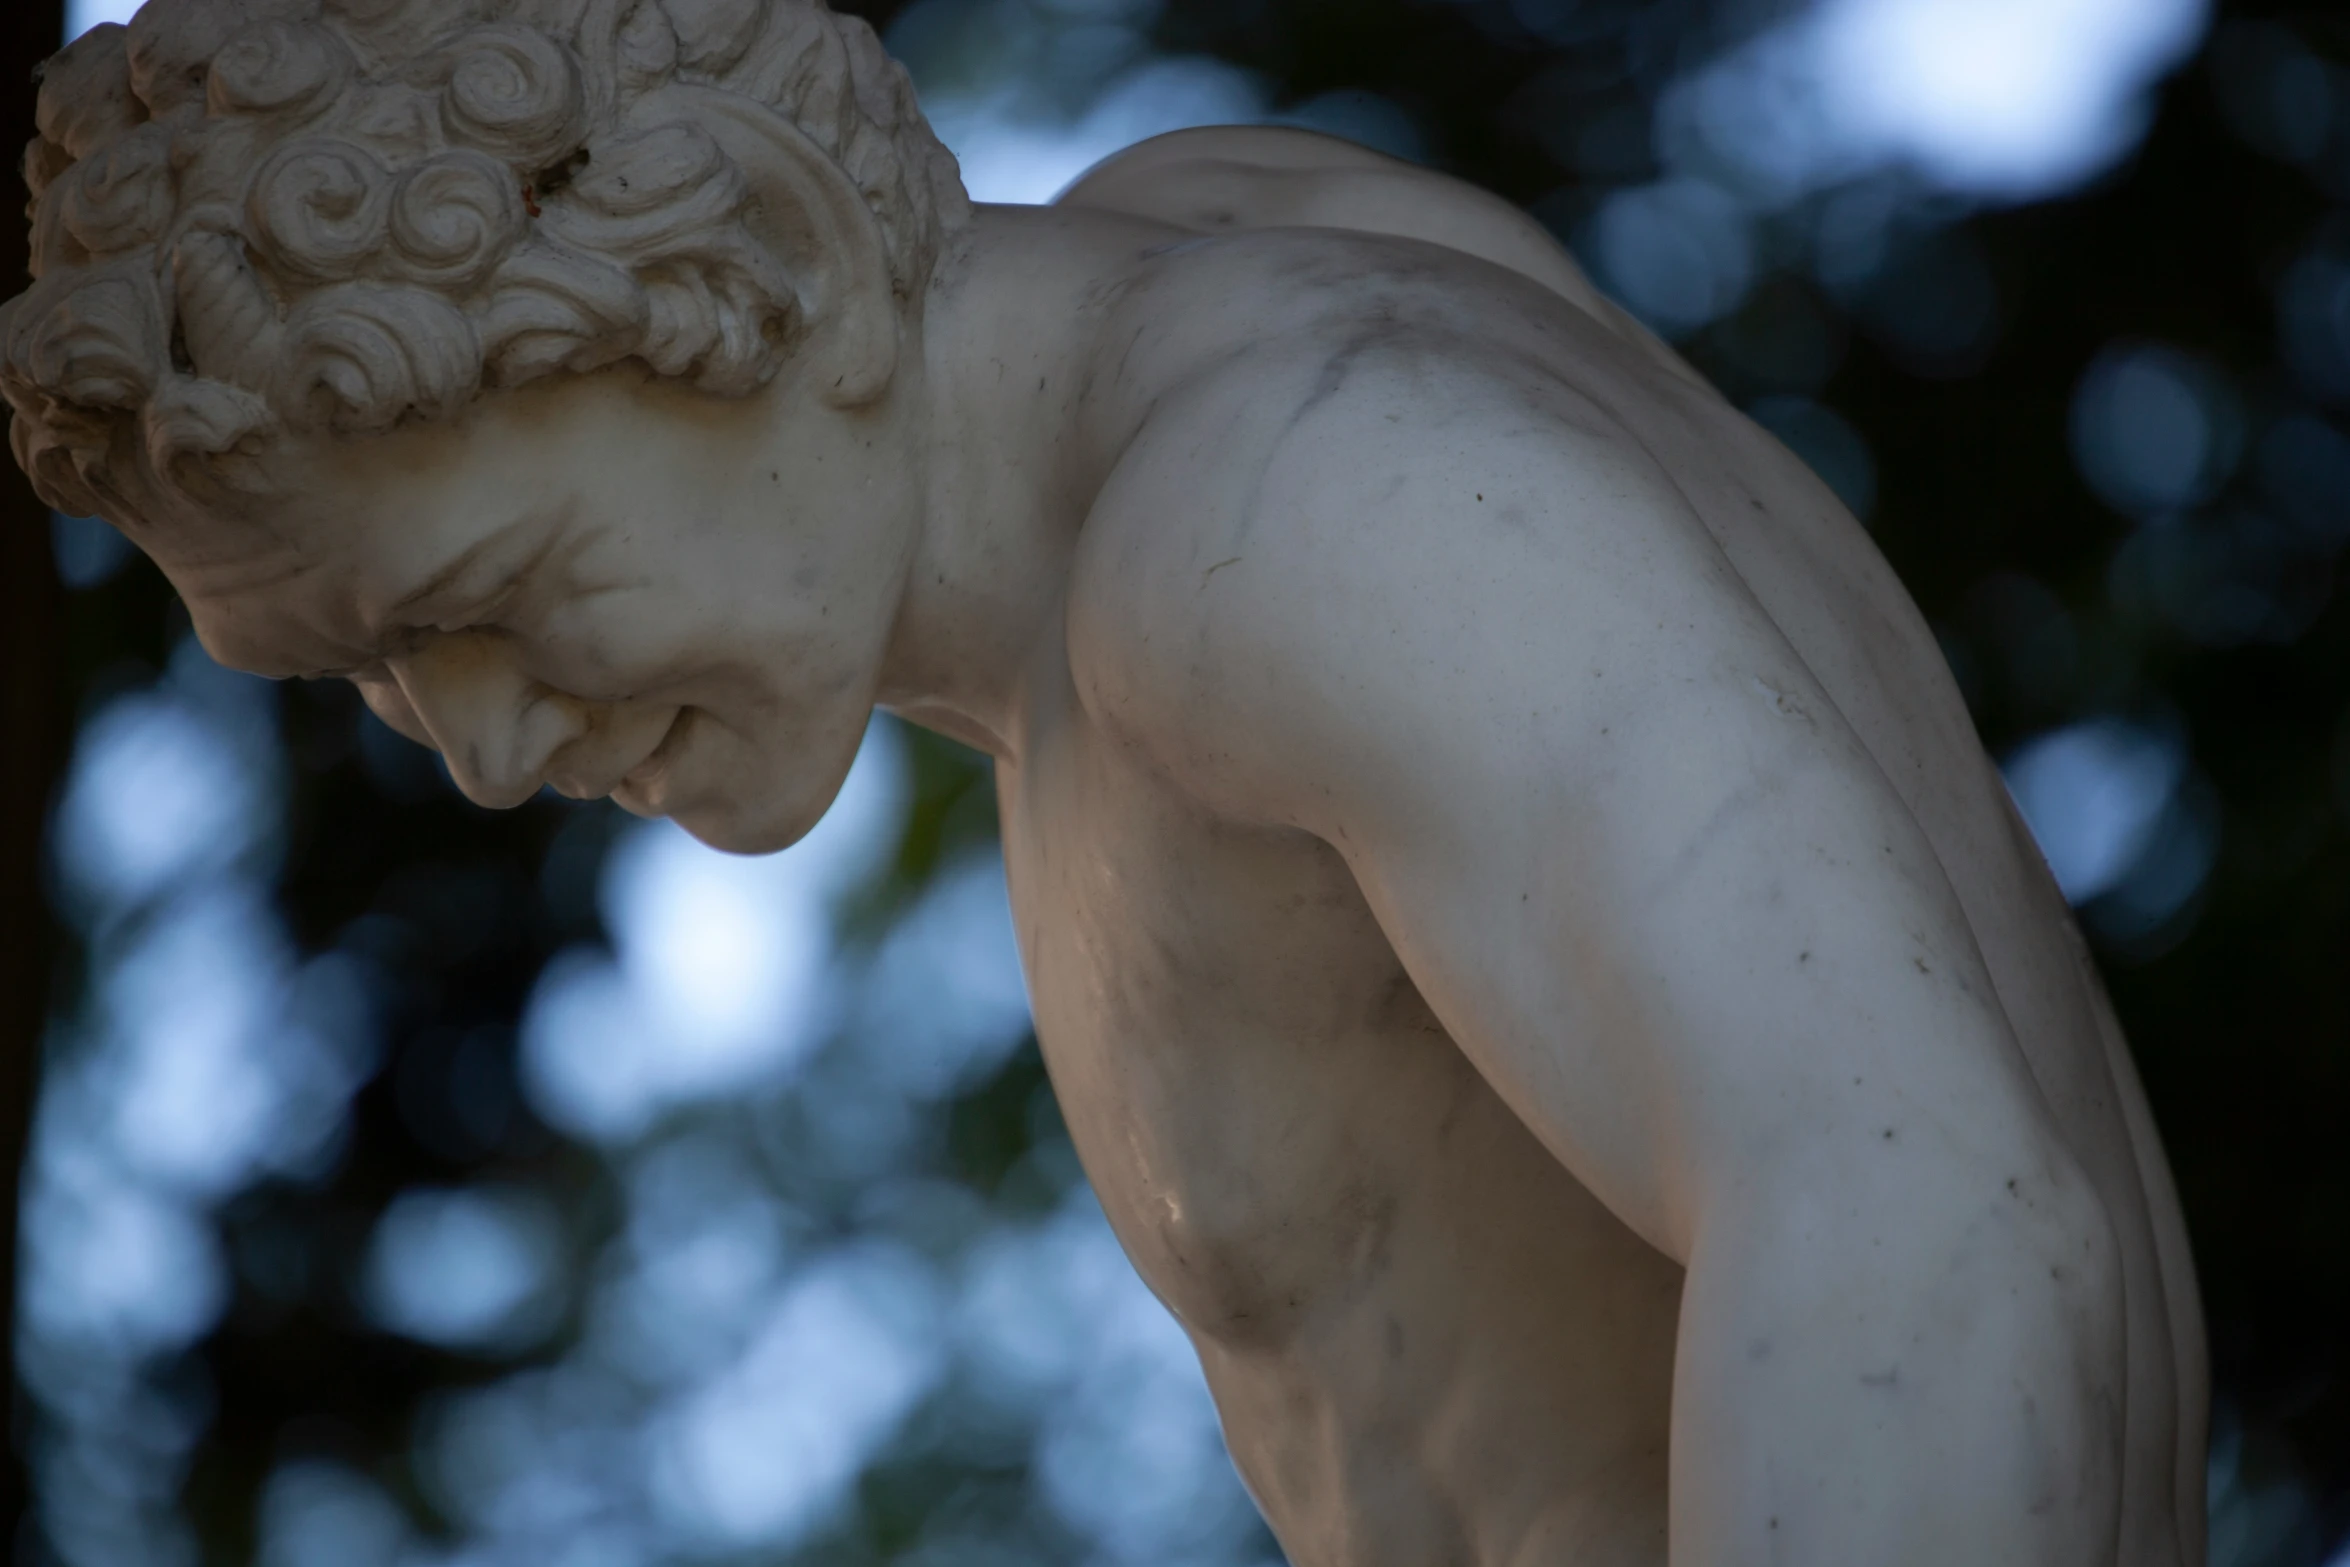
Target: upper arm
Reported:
point(1625, 845)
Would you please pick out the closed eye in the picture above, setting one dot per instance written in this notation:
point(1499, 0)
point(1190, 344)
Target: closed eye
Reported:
point(354, 673)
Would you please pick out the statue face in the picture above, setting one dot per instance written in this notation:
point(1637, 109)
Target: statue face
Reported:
point(604, 583)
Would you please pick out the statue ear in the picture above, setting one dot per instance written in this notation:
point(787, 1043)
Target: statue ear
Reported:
point(807, 209)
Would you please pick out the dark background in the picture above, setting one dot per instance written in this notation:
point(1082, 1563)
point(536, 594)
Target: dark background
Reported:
point(2216, 624)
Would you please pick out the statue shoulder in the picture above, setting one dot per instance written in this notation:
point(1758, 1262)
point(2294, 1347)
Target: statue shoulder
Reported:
point(1310, 526)
point(1229, 179)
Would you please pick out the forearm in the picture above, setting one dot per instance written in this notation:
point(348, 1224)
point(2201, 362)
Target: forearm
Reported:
point(1865, 1378)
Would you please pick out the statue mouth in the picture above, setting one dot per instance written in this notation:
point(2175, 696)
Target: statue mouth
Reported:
point(648, 773)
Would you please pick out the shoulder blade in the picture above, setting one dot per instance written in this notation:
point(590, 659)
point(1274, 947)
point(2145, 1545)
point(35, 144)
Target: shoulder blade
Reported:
point(1234, 178)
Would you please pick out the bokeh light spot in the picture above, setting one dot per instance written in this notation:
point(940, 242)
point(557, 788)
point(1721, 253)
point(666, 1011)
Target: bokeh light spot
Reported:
point(2154, 429)
point(475, 1270)
point(2093, 795)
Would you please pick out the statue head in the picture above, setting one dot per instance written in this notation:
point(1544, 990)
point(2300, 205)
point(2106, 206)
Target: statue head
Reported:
point(294, 258)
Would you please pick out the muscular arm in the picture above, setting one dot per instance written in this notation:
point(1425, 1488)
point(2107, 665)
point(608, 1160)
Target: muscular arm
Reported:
point(1660, 894)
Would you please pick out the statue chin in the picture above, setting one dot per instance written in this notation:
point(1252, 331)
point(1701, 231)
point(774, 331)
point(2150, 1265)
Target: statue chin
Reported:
point(745, 826)
point(741, 803)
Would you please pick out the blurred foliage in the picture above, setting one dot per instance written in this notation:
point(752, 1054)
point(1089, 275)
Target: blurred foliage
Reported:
point(1951, 370)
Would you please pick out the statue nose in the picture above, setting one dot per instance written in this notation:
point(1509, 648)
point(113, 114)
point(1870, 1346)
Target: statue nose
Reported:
point(496, 727)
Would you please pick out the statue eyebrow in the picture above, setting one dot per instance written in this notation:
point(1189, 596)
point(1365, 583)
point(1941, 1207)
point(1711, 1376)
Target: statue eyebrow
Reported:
point(445, 580)
point(441, 581)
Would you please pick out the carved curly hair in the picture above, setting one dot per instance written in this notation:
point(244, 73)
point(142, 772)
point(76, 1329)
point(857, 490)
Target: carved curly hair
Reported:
point(339, 215)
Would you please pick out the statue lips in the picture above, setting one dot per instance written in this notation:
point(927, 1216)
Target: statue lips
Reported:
point(596, 785)
point(648, 773)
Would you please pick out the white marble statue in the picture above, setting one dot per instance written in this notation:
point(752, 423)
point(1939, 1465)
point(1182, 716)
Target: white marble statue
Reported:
point(1537, 965)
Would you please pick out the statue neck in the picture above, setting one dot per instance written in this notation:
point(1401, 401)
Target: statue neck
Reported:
point(1015, 455)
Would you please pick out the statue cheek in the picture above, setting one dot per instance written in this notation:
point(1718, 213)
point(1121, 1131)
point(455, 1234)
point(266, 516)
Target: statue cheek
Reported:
point(602, 663)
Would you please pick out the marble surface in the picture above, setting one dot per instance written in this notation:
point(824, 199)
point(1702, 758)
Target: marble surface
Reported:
point(1537, 965)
